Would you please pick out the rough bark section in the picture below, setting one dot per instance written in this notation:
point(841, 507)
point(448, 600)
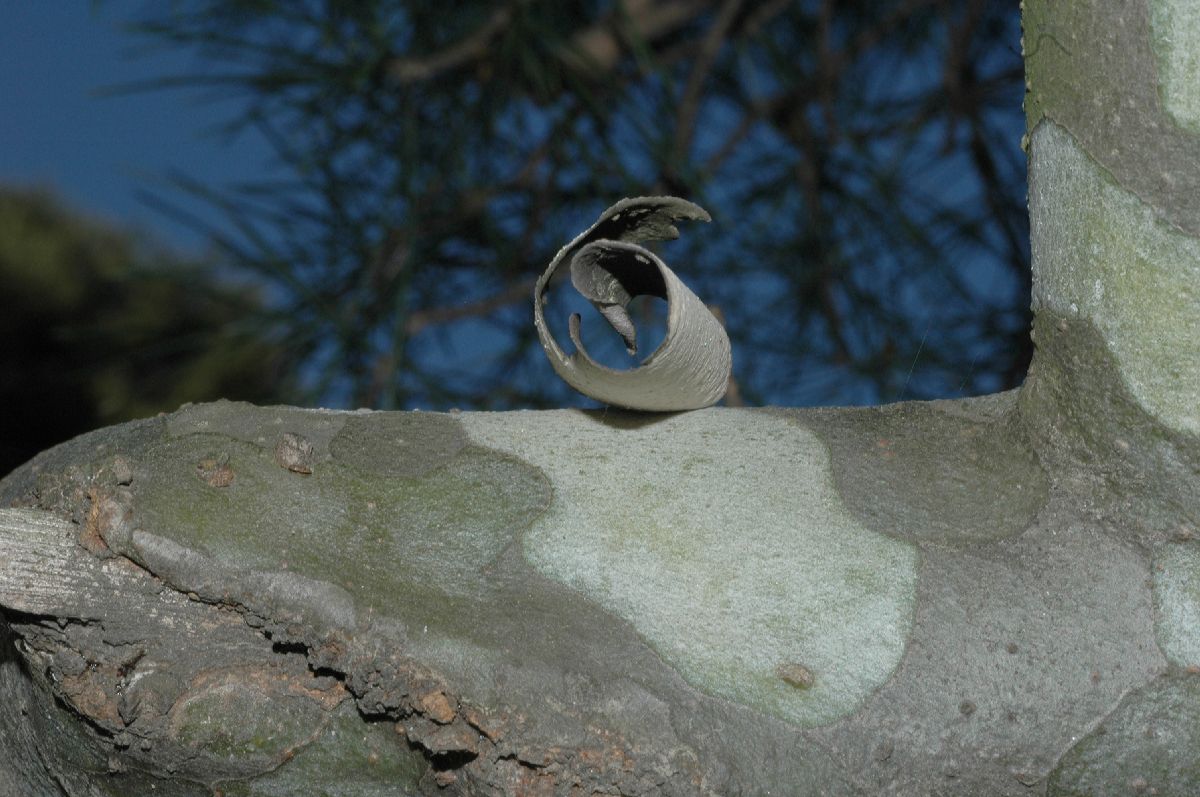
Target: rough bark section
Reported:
point(23, 773)
point(144, 665)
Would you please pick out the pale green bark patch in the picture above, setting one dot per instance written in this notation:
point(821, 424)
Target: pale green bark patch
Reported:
point(1177, 595)
point(730, 584)
point(1175, 25)
point(1105, 256)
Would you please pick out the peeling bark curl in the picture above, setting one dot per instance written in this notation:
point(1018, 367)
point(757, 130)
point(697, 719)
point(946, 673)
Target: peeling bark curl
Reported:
point(690, 368)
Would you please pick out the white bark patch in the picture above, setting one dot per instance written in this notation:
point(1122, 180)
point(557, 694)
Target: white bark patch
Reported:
point(1175, 25)
point(690, 368)
point(720, 537)
point(1088, 229)
point(1177, 595)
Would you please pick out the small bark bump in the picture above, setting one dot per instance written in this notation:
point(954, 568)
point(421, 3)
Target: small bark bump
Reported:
point(294, 452)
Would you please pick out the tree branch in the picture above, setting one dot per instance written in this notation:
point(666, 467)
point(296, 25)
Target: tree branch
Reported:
point(472, 48)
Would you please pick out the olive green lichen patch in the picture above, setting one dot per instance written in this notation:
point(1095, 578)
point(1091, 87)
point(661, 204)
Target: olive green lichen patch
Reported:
point(1175, 25)
point(920, 473)
point(1177, 595)
point(398, 443)
point(247, 720)
point(719, 535)
point(388, 539)
point(135, 781)
point(1103, 255)
point(349, 759)
point(1149, 745)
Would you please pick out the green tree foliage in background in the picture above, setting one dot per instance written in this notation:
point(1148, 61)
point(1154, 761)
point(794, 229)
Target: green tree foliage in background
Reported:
point(100, 328)
point(860, 158)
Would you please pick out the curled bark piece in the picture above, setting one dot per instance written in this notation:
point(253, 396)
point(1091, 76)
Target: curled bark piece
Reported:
point(690, 368)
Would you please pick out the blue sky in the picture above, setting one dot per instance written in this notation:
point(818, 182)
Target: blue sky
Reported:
point(61, 130)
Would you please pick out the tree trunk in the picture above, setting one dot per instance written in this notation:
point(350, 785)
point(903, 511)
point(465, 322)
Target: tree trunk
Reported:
point(996, 596)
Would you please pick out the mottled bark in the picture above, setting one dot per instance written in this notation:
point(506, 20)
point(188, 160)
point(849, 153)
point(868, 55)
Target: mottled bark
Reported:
point(996, 596)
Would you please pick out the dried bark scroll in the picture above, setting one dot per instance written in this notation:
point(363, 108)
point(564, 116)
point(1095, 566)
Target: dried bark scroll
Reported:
point(690, 368)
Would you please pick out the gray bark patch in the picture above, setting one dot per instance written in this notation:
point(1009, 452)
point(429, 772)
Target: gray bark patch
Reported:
point(1150, 745)
point(398, 443)
point(1092, 68)
point(1087, 427)
point(1030, 640)
point(916, 472)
